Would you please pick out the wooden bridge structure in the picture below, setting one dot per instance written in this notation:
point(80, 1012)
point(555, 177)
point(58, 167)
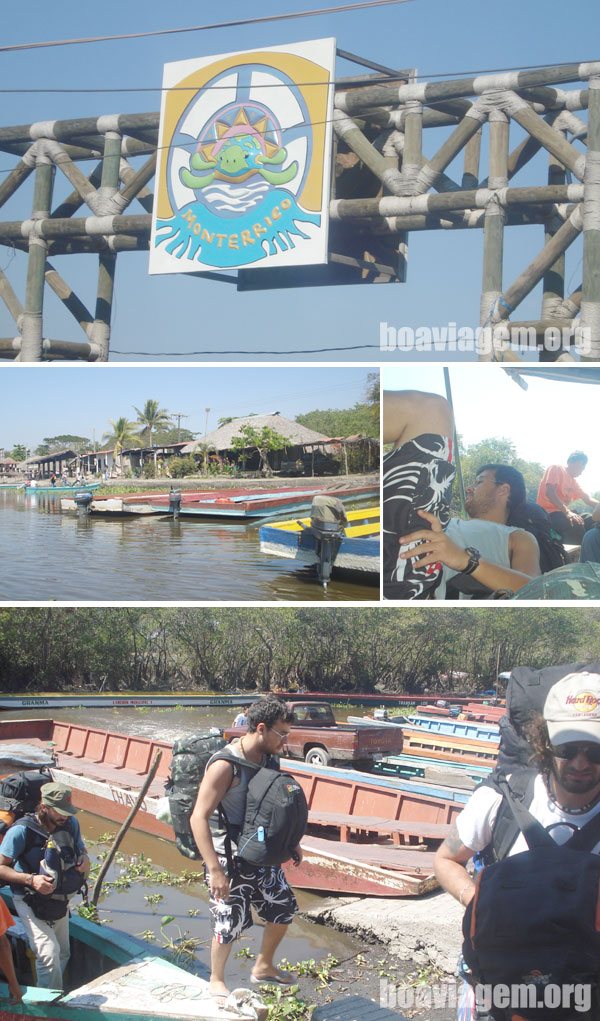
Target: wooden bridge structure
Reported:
point(389, 181)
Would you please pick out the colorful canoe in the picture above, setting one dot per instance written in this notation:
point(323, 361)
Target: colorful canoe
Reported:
point(85, 487)
point(359, 550)
point(236, 505)
point(122, 979)
point(56, 700)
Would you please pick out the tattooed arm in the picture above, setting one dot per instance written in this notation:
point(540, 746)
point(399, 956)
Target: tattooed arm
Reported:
point(449, 866)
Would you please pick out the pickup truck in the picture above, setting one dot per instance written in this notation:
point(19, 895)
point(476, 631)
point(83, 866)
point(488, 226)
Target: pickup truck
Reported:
point(316, 737)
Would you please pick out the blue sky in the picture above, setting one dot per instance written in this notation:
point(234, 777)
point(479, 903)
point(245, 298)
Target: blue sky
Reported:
point(43, 401)
point(184, 314)
point(546, 422)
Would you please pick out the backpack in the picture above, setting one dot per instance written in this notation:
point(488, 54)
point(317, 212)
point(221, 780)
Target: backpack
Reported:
point(534, 519)
point(20, 795)
point(191, 756)
point(526, 694)
point(275, 820)
point(533, 920)
point(277, 813)
point(55, 856)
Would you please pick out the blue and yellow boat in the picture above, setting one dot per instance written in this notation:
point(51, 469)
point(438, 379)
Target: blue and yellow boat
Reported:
point(359, 549)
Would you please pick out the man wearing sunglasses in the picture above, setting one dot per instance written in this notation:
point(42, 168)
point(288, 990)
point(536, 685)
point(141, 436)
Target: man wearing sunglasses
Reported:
point(238, 886)
point(563, 793)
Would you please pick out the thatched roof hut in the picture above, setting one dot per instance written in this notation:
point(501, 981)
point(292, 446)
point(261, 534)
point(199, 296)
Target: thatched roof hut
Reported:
point(221, 439)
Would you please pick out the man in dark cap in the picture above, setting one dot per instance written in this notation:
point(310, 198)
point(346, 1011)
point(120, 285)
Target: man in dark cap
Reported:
point(37, 890)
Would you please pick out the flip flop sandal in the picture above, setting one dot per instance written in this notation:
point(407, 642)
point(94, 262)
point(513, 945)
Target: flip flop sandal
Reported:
point(271, 980)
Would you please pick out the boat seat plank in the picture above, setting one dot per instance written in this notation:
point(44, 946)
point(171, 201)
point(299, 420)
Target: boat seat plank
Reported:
point(401, 831)
point(356, 1008)
point(117, 775)
point(409, 860)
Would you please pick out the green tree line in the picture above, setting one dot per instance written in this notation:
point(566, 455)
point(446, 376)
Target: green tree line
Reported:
point(339, 649)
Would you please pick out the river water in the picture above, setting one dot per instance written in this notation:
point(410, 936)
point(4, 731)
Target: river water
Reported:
point(130, 911)
point(46, 554)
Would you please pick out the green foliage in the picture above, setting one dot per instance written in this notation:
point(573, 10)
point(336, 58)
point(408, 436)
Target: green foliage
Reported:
point(218, 648)
point(51, 444)
point(286, 1005)
point(19, 452)
point(151, 417)
point(179, 467)
point(149, 470)
point(264, 441)
point(495, 450)
point(362, 419)
point(121, 435)
point(162, 437)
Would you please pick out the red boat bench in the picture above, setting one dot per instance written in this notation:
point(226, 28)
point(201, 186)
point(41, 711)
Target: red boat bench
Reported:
point(401, 832)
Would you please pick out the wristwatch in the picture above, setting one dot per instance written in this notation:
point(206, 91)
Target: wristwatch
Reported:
point(474, 558)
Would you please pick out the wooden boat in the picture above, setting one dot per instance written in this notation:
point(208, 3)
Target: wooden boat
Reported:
point(441, 746)
point(134, 699)
point(131, 504)
point(84, 487)
point(11, 485)
point(119, 978)
point(105, 770)
point(359, 550)
point(266, 505)
point(435, 725)
point(240, 504)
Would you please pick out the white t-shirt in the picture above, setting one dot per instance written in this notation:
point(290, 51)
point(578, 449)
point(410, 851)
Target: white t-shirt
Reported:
point(476, 821)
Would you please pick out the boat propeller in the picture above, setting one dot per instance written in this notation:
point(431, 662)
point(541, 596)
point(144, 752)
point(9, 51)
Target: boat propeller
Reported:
point(325, 533)
point(174, 503)
point(83, 502)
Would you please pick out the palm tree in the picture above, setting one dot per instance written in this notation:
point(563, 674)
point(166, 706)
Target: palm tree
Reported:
point(123, 435)
point(151, 417)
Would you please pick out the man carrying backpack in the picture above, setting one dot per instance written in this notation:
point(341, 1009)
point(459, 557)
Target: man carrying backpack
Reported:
point(526, 919)
point(43, 858)
point(236, 883)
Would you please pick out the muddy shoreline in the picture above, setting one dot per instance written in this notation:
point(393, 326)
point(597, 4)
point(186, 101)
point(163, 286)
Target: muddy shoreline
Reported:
point(408, 946)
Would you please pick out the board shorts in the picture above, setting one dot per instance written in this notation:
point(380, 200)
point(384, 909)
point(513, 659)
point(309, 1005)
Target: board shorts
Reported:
point(263, 887)
point(416, 476)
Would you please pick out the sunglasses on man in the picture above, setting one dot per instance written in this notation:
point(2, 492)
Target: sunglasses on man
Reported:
point(571, 749)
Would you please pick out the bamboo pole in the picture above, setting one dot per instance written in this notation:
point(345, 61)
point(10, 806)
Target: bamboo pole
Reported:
point(74, 201)
point(554, 277)
point(15, 179)
point(69, 299)
point(550, 138)
point(32, 322)
point(472, 156)
point(534, 272)
point(135, 182)
point(121, 834)
point(107, 261)
point(9, 298)
point(493, 227)
point(590, 303)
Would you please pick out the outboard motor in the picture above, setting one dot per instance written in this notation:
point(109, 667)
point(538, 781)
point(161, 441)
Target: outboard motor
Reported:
point(174, 503)
point(327, 523)
point(83, 502)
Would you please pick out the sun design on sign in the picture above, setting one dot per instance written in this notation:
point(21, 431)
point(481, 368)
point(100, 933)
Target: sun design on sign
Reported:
point(240, 150)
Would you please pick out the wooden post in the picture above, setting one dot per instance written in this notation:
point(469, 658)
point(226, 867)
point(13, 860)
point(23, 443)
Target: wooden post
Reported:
point(493, 227)
point(32, 320)
point(590, 302)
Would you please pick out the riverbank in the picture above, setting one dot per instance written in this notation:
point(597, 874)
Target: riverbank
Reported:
point(409, 950)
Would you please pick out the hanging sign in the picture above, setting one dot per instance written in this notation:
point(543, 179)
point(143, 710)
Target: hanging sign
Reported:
point(244, 157)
